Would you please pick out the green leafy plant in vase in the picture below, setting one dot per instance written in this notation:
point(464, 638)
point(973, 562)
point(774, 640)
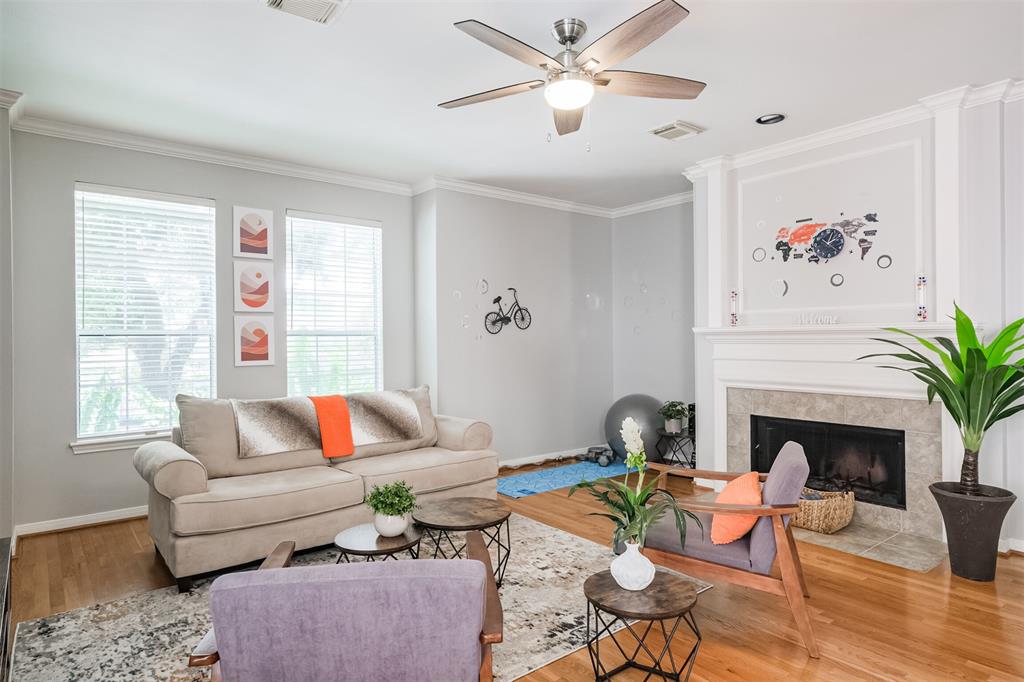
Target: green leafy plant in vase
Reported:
point(674, 413)
point(633, 510)
point(979, 384)
point(392, 506)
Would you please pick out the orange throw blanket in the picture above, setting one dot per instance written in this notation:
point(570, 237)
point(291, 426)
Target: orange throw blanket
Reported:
point(335, 425)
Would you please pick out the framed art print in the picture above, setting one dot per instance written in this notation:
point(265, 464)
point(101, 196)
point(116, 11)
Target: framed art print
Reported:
point(254, 340)
point(253, 232)
point(253, 287)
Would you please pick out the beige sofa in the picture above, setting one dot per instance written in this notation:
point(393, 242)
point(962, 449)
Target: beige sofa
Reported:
point(209, 509)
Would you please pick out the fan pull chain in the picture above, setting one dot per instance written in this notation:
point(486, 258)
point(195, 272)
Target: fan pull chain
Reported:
point(589, 130)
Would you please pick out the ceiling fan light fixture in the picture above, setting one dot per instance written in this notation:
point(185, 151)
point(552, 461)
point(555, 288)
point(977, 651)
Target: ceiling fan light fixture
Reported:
point(569, 90)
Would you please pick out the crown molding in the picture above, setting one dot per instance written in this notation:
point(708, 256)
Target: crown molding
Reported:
point(150, 145)
point(948, 99)
point(8, 98)
point(966, 96)
point(492, 192)
point(849, 131)
point(653, 204)
point(1015, 92)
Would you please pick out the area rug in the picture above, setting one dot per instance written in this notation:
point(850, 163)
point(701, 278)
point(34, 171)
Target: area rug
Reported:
point(148, 636)
point(554, 478)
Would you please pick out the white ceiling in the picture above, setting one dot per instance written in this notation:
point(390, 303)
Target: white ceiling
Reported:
point(360, 95)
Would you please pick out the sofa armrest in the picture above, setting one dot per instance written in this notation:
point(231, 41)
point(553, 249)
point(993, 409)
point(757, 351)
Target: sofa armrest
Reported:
point(457, 433)
point(170, 470)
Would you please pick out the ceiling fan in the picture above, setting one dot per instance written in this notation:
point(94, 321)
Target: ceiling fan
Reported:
point(573, 75)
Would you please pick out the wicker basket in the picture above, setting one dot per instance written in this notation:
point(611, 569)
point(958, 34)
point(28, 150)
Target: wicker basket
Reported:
point(831, 513)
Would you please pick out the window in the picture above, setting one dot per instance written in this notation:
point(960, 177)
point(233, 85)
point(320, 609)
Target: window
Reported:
point(145, 315)
point(334, 305)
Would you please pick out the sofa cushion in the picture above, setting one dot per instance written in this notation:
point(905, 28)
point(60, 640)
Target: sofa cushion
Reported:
point(208, 433)
point(420, 396)
point(427, 469)
point(257, 499)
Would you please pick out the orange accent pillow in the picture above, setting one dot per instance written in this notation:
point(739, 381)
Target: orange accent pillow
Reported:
point(745, 489)
point(335, 425)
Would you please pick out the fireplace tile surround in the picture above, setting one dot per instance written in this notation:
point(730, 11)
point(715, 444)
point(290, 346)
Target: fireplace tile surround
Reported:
point(920, 421)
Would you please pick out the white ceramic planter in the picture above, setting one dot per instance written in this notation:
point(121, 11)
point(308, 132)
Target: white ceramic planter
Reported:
point(631, 569)
point(673, 425)
point(390, 526)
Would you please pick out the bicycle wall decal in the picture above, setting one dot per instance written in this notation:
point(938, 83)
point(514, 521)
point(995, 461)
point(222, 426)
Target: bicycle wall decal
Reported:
point(495, 321)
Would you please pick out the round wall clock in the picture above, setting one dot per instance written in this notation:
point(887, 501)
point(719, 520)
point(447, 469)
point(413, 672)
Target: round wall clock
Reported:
point(828, 243)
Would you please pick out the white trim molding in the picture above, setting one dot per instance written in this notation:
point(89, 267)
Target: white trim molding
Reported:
point(546, 456)
point(150, 145)
point(967, 96)
point(65, 523)
point(653, 204)
point(8, 98)
point(492, 192)
point(87, 446)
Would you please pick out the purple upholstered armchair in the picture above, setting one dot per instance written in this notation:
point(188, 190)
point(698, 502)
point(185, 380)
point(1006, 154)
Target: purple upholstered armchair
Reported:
point(393, 620)
point(749, 561)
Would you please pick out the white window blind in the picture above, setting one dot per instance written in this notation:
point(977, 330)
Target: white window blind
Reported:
point(334, 305)
point(145, 314)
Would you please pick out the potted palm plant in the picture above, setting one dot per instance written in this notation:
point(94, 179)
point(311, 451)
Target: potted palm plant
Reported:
point(979, 384)
point(634, 510)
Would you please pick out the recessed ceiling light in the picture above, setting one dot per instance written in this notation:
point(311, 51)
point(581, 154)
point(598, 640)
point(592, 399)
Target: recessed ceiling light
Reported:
point(770, 119)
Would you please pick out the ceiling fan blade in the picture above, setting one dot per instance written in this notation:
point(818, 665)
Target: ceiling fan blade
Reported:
point(503, 42)
point(568, 120)
point(491, 94)
point(640, 84)
point(632, 35)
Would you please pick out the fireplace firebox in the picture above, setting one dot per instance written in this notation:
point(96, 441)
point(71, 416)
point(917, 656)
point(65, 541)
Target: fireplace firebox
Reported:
point(866, 460)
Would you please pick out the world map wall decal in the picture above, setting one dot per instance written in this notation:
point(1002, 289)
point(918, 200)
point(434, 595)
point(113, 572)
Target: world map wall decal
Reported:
point(819, 242)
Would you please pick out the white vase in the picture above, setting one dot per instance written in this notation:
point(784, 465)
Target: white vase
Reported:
point(673, 425)
point(631, 569)
point(390, 526)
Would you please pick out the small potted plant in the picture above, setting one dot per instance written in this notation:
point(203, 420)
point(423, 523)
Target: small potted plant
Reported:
point(979, 384)
point(634, 510)
point(674, 412)
point(392, 506)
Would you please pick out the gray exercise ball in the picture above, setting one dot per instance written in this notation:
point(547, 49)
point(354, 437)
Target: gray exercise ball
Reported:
point(642, 408)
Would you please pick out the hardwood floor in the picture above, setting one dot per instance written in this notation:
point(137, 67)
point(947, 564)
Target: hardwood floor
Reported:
point(873, 621)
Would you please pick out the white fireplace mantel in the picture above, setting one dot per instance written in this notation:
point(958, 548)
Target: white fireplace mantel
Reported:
point(805, 358)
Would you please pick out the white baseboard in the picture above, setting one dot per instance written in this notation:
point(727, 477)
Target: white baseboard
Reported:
point(74, 522)
point(1011, 545)
point(544, 457)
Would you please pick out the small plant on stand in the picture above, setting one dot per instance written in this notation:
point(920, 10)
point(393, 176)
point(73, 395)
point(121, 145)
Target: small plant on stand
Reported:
point(392, 505)
point(674, 412)
point(633, 510)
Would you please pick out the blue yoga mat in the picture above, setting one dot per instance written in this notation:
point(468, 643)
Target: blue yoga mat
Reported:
point(543, 480)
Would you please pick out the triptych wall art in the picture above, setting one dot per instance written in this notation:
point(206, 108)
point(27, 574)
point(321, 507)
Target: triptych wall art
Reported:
point(253, 285)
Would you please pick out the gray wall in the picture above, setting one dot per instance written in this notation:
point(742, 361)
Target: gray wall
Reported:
point(652, 279)
point(544, 389)
point(53, 482)
point(6, 503)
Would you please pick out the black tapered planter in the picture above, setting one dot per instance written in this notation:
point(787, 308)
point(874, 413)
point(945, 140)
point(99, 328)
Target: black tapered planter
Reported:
point(972, 523)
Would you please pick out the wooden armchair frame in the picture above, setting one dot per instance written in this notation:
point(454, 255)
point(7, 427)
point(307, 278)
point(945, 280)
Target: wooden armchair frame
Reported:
point(205, 654)
point(787, 577)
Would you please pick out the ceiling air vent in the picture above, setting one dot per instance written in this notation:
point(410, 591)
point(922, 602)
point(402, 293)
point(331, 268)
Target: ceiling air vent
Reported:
point(677, 130)
point(320, 11)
